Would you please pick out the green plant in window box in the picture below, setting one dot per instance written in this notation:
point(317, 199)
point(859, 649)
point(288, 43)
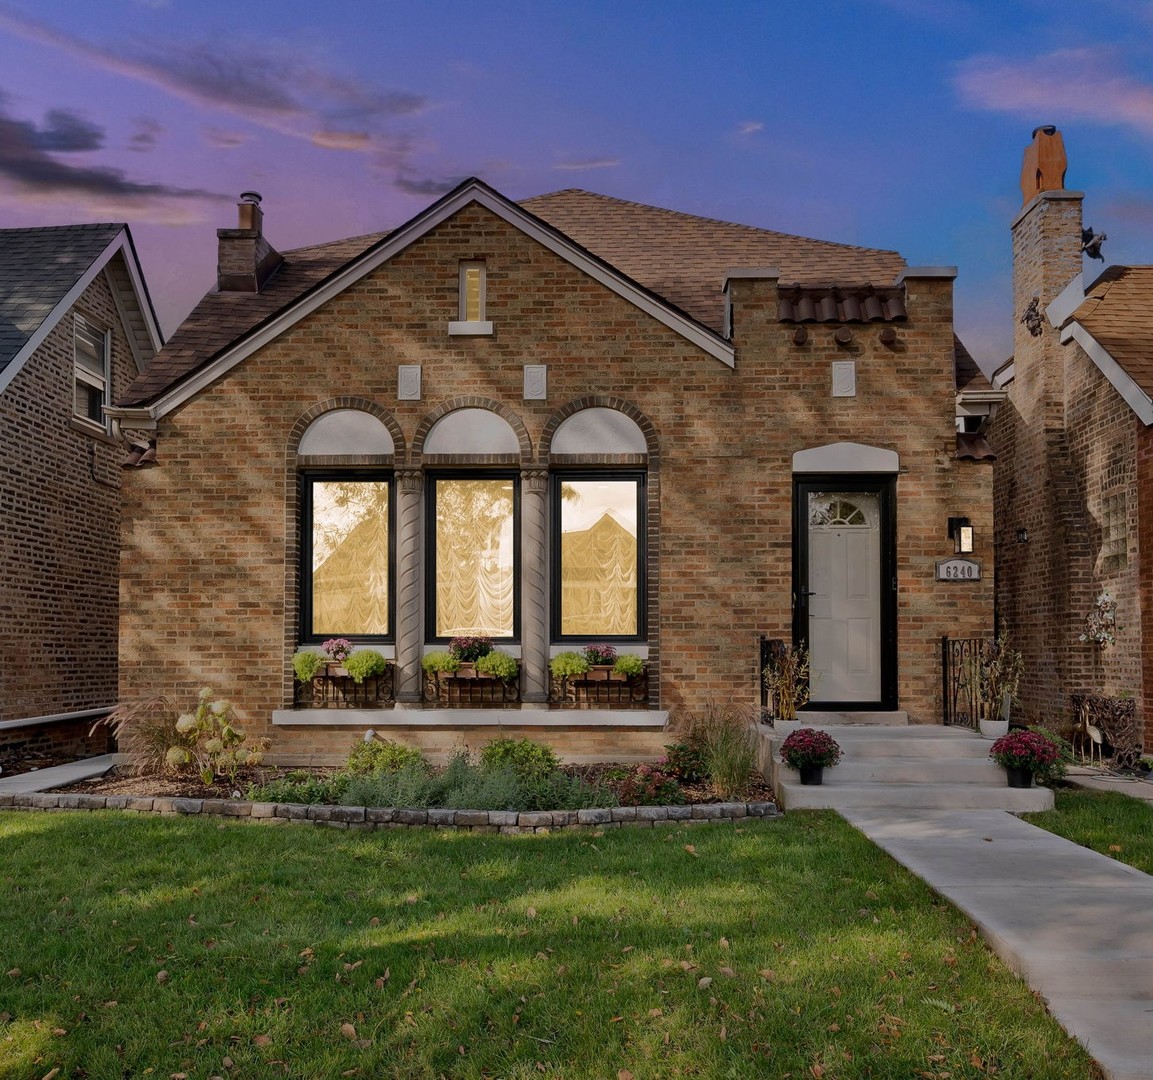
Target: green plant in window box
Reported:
point(567, 664)
point(499, 665)
point(307, 664)
point(441, 662)
point(628, 665)
point(364, 664)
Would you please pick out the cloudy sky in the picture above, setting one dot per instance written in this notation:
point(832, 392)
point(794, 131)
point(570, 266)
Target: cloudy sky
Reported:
point(888, 123)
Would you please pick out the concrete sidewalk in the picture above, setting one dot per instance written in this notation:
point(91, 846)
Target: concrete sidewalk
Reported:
point(1075, 925)
point(57, 775)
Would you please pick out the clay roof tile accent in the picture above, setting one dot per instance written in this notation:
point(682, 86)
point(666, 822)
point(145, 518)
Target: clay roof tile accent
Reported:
point(974, 447)
point(841, 304)
point(1118, 312)
point(685, 259)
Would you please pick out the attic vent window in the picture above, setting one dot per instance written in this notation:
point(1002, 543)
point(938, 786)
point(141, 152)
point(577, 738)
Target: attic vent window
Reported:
point(91, 371)
point(472, 302)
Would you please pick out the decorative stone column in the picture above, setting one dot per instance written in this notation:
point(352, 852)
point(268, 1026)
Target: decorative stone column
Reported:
point(409, 632)
point(533, 578)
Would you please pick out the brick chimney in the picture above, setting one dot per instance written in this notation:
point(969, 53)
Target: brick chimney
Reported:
point(245, 260)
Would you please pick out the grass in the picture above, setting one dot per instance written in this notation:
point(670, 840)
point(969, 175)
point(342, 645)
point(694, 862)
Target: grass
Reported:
point(1109, 822)
point(149, 946)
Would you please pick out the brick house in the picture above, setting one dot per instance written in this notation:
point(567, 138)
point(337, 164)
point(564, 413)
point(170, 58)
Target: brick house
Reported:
point(76, 328)
point(566, 420)
point(1074, 477)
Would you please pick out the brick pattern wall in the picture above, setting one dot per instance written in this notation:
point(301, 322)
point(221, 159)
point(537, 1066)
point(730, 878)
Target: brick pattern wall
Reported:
point(59, 504)
point(1068, 463)
point(208, 601)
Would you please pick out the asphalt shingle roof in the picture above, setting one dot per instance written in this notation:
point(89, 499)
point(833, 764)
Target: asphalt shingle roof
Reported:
point(682, 258)
point(37, 269)
point(1118, 312)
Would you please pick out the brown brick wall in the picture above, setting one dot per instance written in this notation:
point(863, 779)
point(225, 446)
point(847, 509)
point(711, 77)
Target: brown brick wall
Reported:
point(1067, 447)
point(207, 532)
point(59, 505)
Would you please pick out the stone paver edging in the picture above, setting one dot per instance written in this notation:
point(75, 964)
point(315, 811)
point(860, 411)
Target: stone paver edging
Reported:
point(373, 817)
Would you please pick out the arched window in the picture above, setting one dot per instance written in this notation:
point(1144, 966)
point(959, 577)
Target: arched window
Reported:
point(598, 528)
point(347, 522)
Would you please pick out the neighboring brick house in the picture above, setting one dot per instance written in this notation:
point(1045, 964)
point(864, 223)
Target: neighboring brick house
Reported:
point(560, 421)
point(76, 328)
point(1074, 478)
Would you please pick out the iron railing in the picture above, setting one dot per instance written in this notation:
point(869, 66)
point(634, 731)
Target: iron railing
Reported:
point(960, 688)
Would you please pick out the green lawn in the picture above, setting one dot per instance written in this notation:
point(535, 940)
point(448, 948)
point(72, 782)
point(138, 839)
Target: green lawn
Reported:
point(148, 946)
point(1110, 822)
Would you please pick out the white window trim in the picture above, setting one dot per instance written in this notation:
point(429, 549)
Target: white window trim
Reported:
point(81, 375)
point(464, 326)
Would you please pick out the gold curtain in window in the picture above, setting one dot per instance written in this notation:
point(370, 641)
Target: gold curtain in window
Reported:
point(474, 558)
point(350, 557)
point(599, 579)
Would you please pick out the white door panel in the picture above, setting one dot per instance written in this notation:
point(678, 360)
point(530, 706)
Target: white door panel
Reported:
point(844, 539)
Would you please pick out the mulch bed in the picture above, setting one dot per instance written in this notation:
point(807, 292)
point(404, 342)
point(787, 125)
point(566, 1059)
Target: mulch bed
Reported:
point(15, 762)
point(176, 787)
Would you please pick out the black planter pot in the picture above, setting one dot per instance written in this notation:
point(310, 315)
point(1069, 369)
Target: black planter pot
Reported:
point(812, 775)
point(1019, 778)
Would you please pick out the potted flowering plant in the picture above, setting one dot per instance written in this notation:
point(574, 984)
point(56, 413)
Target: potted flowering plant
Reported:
point(810, 751)
point(467, 651)
point(601, 659)
point(337, 650)
point(1025, 755)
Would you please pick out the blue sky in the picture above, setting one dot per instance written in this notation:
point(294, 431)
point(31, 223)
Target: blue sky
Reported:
point(888, 123)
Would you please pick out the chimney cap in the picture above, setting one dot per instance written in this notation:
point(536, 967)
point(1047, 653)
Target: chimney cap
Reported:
point(253, 197)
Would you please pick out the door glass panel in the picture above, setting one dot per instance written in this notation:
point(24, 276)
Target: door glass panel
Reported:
point(844, 553)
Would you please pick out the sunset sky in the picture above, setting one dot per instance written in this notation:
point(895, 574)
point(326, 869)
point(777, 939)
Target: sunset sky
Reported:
point(888, 123)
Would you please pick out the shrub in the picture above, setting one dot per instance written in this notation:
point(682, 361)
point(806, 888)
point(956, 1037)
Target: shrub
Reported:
point(808, 747)
point(498, 664)
point(382, 755)
point(1035, 751)
point(361, 665)
point(468, 650)
point(440, 661)
point(526, 758)
point(208, 740)
point(300, 786)
point(307, 664)
point(686, 761)
point(600, 654)
point(628, 664)
point(143, 733)
point(568, 663)
point(411, 785)
point(648, 785)
point(724, 736)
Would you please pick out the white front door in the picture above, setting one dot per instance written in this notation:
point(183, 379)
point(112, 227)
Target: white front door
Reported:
point(844, 596)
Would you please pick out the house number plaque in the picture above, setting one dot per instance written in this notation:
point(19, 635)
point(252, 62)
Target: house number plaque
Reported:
point(958, 570)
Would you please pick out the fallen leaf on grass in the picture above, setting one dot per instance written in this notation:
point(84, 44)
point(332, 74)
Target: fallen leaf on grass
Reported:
point(52, 1074)
point(768, 974)
point(162, 976)
point(624, 1074)
point(348, 1031)
point(353, 967)
point(654, 1013)
point(727, 971)
point(705, 983)
point(724, 943)
point(530, 913)
point(262, 1040)
point(691, 850)
point(13, 973)
point(374, 921)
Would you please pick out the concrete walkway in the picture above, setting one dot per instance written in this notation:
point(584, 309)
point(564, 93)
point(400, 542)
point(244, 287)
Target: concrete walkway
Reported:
point(1075, 925)
point(56, 776)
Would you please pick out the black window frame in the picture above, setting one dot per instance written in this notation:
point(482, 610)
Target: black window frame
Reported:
point(558, 477)
point(431, 479)
point(307, 478)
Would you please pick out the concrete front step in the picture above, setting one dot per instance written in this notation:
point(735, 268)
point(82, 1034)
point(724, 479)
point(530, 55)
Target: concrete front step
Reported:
point(794, 796)
point(916, 767)
point(840, 718)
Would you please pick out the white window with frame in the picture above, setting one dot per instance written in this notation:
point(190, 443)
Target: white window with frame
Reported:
point(91, 371)
point(472, 300)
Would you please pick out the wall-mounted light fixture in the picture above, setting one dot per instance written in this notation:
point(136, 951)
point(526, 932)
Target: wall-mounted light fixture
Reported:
point(1022, 536)
point(961, 533)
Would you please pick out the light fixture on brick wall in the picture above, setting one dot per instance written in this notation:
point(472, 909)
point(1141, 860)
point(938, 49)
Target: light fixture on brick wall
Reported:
point(1022, 536)
point(961, 533)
